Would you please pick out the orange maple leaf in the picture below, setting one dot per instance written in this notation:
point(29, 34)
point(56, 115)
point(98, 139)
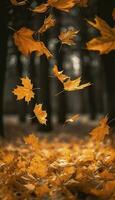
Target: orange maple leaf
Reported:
point(18, 3)
point(48, 23)
point(71, 85)
point(23, 39)
point(68, 36)
point(59, 74)
point(63, 5)
point(41, 8)
point(98, 134)
point(40, 114)
point(104, 43)
point(25, 91)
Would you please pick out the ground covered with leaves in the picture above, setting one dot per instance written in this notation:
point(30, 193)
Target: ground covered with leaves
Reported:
point(59, 168)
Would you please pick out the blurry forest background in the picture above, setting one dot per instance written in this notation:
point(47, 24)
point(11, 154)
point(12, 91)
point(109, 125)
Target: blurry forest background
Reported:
point(99, 99)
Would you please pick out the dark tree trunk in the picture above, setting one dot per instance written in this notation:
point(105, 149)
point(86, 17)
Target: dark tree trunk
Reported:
point(3, 57)
point(44, 84)
point(22, 109)
point(61, 98)
point(105, 12)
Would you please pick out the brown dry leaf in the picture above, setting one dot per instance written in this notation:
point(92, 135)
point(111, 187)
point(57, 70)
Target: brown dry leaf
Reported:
point(48, 23)
point(113, 14)
point(18, 2)
point(71, 85)
point(40, 114)
point(41, 8)
point(68, 36)
point(104, 43)
point(72, 119)
point(63, 5)
point(25, 91)
point(98, 134)
point(26, 44)
point(59, 74)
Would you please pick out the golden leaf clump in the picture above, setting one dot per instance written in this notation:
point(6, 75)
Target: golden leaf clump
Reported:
point(48, 23)
point(25, 91)
point(23, 39)
point(59, 170)
point(104, 43)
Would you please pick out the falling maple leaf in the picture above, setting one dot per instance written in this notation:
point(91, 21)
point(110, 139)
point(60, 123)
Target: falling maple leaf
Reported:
point(71, 85)
point(98, 134)
point(41, 8)
point(63, 5)
point(59, 74)
point(48, 23)
point(68, 36)
point(40, 114)
point(72, 119)
point(25, 91)
point(23, 39)
point(18, 3)
point(104, 43)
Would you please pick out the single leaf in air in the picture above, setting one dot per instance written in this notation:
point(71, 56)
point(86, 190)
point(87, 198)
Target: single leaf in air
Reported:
point(63, 5)
point(71, 85)
point(23, 39)
point(104, 43)
point(41, 8)
point(98, 134)
point(68, 36)
point(113, 14)
point(48, 23)
point(18, 3)
point(24, 91)
point(72, 119)
point(59, 74)
point(40, 114)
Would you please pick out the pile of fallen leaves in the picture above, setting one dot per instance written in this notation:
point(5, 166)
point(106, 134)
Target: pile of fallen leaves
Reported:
point(53, 169)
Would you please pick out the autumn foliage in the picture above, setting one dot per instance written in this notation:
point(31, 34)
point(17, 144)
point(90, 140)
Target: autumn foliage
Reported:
point(54, 170)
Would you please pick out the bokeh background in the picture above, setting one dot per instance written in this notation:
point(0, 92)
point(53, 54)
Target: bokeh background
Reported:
point(91, 103)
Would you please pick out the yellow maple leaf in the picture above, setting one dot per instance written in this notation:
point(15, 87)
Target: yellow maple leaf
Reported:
point(104, 43)
point(98, 134)
point(41, 8)
point(25, 91)
point(63, 5)
point(59, 74)
point(40, 114)
point(71, 85)
point(48, 23)
point(23, 39)
point(72, 119)
point(68, 36)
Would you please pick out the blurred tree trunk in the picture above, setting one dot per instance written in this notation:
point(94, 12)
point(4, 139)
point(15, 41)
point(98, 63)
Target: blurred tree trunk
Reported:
point(32, 75)
point(21, 105)
point(3, 57)
point(44, 84)
point(105, 12)
point(61, 98)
